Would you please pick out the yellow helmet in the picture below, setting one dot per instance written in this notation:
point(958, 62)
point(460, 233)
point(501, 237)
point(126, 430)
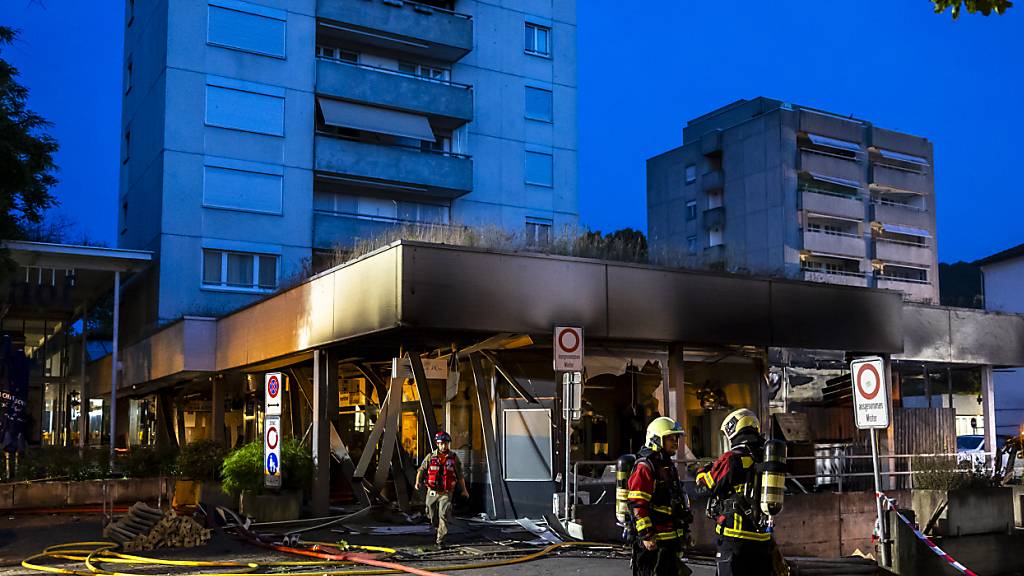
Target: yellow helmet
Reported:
point(661, 427)
point(737, 421)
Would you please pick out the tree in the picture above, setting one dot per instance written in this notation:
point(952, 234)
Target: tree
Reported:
point(986, 7)
point(26, 154)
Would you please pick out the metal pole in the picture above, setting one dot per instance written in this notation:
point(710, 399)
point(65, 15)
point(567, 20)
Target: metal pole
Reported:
point(882, 532)
point(568, 439)
point(113, 366)
point(83, 398)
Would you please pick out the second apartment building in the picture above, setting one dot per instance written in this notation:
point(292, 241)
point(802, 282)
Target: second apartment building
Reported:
point(260, 135)
point(779, 189)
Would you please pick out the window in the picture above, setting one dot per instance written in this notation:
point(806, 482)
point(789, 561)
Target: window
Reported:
point(691, 244)
point(538, 40)
point(332, 53)
point(538, 104)
point(240, 270)
point(245, 106)
point(128, 76)
point(527, 444)
point(714, 200)
point(691, 173)
point(424, 71)
point(715, 236)
point(240, 185)
point(370, 208)
point(691, 210)
point(247, 27)
point(538, 231)
point(539, 169)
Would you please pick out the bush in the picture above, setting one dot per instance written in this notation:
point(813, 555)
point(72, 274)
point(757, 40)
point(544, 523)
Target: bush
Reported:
point(147, 462)
point(243, 468)
point(65, 463)
point(945, 473)
point(201, 460)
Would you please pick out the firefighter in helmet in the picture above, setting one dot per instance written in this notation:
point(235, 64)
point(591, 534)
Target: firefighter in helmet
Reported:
point(443, 472)
point(660, 510)
point(731, 482)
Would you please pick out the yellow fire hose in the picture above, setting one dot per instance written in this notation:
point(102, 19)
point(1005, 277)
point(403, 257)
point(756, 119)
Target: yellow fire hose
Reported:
point(94, 554)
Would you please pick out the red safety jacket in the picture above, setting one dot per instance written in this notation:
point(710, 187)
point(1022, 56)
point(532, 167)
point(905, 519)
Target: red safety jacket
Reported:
point(441, 471)
point(655, 498)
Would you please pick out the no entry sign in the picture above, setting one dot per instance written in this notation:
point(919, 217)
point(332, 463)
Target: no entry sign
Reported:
point(568, 349)
point(272, 393)
point(272, 451)
point(870, 393)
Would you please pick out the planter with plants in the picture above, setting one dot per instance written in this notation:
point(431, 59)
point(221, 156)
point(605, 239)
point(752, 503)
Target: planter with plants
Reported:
point(242, 474)
point(958, 500)
point(198, 475)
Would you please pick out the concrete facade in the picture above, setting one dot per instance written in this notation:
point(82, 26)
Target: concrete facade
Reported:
point(231, 149)
point(767, 187)
point(1003, 275)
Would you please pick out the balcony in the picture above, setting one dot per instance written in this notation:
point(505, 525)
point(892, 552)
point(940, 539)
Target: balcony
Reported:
point(711, 143)
point(714, 257)
point(831, 165)
point(832, 204)
point(835, 277)
point(831, 126)
point(895, 178)
point(712, 180)
point(400, 25)
point(714, 217)
point(900, 142)
point(913, 290)
point(896, 251)
point(394, 89)
point(443, 175)
point(832, 243)
point(344, 230)
point(893, 213)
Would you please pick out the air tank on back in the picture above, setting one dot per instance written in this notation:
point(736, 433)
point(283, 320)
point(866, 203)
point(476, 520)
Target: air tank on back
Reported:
point(623, 468)
point(773, 479)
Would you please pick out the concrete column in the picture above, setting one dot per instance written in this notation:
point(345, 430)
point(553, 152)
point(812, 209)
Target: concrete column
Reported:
point(217, 394)
point(114, 365)
point(675, 378)
point(83, 397)
point(325, 404)
point(988, 407)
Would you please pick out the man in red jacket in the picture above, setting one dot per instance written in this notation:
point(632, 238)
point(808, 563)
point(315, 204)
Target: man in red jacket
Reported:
point(660, 510)
point(444, 471)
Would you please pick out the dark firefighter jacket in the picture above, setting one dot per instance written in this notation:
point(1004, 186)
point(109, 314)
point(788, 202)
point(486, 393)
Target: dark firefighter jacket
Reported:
point(655, 498)
point(732, 479)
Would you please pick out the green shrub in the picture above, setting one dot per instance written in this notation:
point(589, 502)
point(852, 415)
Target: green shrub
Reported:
point(147, 462)
point(201, 460)
point(66, 463)
point(243, 468)
point(945, 473)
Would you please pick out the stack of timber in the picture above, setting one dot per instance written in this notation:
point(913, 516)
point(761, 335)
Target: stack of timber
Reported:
point(148, 528)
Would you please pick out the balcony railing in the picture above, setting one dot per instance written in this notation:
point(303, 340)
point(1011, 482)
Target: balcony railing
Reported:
point(902, 279)
point(392, 71)
point(895, 204)
point(844, 273)
point(826, 192)
point(832, 233)
point(397, 146)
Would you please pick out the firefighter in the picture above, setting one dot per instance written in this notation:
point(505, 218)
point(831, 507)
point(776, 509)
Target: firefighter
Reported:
point(660, 512)
point(444, 472)
point(744, 540)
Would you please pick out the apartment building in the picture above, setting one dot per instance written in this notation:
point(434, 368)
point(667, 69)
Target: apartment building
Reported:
point(260, 135)
point(774, 188)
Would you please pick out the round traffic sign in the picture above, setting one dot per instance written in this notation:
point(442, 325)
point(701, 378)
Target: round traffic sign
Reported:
point(569, 340)
point(868, 384)
point(272, 465)
point(273, 386)
point(272, 437)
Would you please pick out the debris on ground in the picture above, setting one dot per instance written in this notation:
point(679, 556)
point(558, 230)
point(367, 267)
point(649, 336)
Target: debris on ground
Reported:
point(148, 528)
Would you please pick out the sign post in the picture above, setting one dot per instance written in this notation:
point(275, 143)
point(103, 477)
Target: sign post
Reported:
point(272, 384)
point(871, 412)
point(568, 359)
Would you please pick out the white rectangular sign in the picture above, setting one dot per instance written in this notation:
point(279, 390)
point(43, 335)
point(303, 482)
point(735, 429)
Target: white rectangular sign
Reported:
point(870, 393)
point(433, 368)
point(272, 451)
point(273, 386)
point(568, 349)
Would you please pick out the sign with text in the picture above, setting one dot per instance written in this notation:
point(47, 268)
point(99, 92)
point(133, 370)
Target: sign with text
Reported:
point(568, 348)
point(870, 393)
point(272, 452)
point(272, 386)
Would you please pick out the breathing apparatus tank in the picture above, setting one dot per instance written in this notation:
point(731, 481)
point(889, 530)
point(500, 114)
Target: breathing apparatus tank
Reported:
point(623, 468)
point(773, 478)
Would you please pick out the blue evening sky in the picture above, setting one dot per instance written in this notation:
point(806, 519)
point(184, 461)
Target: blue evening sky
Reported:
point(644, 69)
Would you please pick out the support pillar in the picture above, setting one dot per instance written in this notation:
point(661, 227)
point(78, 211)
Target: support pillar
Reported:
point(217, 394)
point(114, 365)
point(676, 373)
point(83, 398)
point(325, 405)
point(988, 409)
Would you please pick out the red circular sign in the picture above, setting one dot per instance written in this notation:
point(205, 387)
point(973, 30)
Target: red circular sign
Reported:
point(570, 335)
point(272, 437)
point(273, 386)
point(860, 381)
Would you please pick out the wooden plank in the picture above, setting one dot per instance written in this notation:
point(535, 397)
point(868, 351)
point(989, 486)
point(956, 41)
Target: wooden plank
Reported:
point(490, 449)
point(423, 388)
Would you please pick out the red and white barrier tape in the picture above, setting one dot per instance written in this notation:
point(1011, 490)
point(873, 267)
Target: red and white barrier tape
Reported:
point(891, 504)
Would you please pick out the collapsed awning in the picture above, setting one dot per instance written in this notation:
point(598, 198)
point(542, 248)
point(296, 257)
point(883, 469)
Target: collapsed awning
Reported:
point(893, 155)
point(834, 143)
point(835, 180)
point(372, 119)
point(906, 230)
